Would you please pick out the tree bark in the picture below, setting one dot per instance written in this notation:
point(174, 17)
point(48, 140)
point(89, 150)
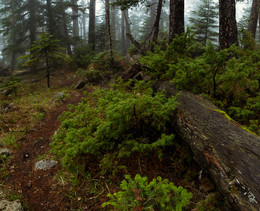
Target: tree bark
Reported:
point(229, 154)
point(108, 29)
point(65, 27)
point(153, 14)
point(50, 19)
point(227, 23)
point(252, 25)
point(92, 24)
point(157, 23)
point(176, 18)
point(75, 23)
point(128, 27)
point(123, 34)
point(137, 45)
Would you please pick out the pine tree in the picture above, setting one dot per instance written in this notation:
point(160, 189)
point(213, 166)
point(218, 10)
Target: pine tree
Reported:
point(46, 51)
point(204, 21)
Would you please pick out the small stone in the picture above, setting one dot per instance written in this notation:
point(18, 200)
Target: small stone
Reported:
point(45, 164)
point(60, 96)
point(11, 205)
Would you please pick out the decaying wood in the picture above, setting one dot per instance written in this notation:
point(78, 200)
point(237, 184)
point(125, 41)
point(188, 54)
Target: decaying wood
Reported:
point(229, 153)
point(137, 45)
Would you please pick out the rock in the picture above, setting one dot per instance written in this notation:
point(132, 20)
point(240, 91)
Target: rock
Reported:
point(5, 152)
point(11, 205)
point(60, 96)
point(45, 164)
point(80, 85)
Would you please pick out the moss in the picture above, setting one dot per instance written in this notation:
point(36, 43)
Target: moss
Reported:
point(233, 121)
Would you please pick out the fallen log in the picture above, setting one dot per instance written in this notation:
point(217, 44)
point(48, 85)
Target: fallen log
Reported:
point(229, 153)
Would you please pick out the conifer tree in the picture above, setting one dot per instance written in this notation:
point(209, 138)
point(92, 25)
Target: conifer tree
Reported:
point(46, 51)
point(204, 21)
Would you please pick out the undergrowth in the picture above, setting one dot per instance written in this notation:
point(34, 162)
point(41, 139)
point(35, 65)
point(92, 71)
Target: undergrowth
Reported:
point(112, 124)
point(229, 77)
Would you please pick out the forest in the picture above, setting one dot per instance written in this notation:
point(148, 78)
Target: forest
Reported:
point(130, 105)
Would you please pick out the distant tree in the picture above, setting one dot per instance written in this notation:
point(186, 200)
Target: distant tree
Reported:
point(92, 24)
point(108, 31)
point(252, 25)
point(45, 51)
point(176, 25)
point(227, 23)
point(204, 20)
point(123, 34)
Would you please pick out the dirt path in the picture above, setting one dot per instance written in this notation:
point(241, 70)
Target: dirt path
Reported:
point(39, 189)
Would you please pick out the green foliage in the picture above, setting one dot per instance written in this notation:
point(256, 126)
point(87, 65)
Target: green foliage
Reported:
point(114, 122)
point(82, 56)
point(230, 77)
point(182, 47)
point(46, 49)
point(100, 68)
point(11, 85)
point(204, 20)
point(138, 194)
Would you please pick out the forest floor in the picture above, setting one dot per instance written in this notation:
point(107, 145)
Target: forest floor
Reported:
point(55, 190)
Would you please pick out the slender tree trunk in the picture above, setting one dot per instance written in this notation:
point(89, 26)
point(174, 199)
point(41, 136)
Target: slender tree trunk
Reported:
point(75, 23)
point(153, 14)
point(108, 29)
point(65, 28)
point(227, 23)
point(252, 25)
point(84, 33)
point(13, 54)
point(128, 28)
point(176, 18)
point(123, 34)
point(157, 23)
point(50, 19)
point(47, 70)
point(32, 21)
point(113, 24)
point(92, 24)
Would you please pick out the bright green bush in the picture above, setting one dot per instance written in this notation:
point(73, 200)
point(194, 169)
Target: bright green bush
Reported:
point(138, 194)
point(114, 122)
point(230, 77)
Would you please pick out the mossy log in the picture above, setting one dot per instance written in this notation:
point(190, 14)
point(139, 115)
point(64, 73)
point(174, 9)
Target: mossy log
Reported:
point(229, 153)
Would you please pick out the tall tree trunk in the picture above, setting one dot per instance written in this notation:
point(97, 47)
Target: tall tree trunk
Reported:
point(50, 19)
point(176, 18)
point(65, 27)
point(128, 28)
point(252, 25)
point(84, 33)
point(75, 22)
point(157, 23)
point(32, 21)
point(227, 23)
point(123, 34)
point(113, 24)
point(12, 20)
point(153, 14)
point(92, 24)
point(108, 29)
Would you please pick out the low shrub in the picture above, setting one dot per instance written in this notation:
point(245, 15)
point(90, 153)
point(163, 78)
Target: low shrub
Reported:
point(138, 194)
point(114, 122)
